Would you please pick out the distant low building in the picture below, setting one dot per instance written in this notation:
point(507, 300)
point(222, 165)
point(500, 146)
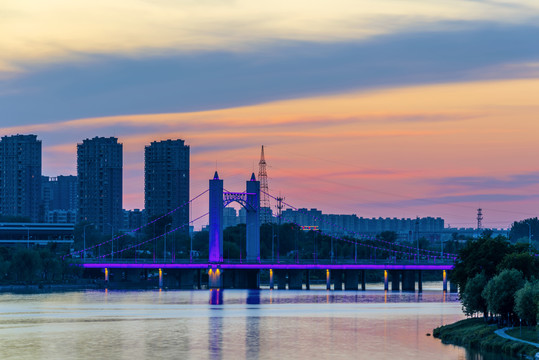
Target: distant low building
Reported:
point(62, 216)
point(467, 233)
point(351, 225)
point(30, 234)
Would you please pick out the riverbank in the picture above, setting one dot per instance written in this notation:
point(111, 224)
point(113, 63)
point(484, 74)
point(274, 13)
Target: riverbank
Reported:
point(37, 288)
point(476, 334)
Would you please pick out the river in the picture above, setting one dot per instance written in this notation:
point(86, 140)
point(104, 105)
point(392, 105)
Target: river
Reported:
point(228, 324)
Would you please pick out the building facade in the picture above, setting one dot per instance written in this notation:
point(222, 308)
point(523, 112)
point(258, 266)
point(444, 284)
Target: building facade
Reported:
point(20, 176)
point(58, 197)
point(166, 181)
point(351, 225)
point(133, 219)
point(99, 180)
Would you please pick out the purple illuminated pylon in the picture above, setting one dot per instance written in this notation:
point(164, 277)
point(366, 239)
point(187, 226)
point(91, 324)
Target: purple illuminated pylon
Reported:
point(216, 219)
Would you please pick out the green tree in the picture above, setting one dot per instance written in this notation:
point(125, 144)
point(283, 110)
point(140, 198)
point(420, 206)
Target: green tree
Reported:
point(527, 302)
point(479, 256)
point(499, 292)
point(520, 229)
point(85, 233)
point(472, 301)
point(528, 265)
point(389, 236)
point(201, 243)
point(26, 264)
point(51, 266)
point(4, 267)
point(234, 238)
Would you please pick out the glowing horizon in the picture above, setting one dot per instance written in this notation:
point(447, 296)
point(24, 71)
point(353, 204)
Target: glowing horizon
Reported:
point(297, 134)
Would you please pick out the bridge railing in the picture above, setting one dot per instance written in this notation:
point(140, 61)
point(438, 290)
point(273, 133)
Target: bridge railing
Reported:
point(270, 261)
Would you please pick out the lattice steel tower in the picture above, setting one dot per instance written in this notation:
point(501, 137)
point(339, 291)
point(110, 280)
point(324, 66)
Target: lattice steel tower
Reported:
point(265, 210)
point(479, 218)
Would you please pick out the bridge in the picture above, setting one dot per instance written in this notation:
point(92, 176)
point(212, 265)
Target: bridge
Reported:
point(403, 264)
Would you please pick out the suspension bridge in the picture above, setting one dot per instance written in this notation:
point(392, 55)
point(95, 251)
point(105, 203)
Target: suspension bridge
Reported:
point(400, 264)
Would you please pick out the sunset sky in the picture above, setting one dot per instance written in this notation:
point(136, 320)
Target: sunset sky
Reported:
point(375, 108)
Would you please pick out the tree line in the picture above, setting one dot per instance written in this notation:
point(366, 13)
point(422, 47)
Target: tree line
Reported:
point(36, 264)
point(498, 280)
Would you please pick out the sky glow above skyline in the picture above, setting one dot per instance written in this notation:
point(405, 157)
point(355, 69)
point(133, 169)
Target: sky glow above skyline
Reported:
point(385, 109)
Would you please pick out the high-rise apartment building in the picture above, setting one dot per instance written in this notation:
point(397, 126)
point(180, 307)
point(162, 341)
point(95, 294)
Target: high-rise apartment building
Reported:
point(20, 176)
point(166, 180)
point(59, 198)
point(99, 175)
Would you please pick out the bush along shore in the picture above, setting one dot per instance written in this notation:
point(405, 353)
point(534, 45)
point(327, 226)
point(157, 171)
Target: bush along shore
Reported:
point(498, 287)
point(477, 334)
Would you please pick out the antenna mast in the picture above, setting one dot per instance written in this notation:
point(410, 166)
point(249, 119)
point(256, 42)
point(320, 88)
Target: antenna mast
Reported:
point(280, 208)
point(265, 210)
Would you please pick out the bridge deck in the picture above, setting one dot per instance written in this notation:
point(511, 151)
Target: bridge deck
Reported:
point(262, 266)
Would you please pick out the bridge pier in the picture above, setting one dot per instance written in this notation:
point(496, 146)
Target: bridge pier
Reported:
point(351, 279)
point(363, 280)
point(281, 279)
point(215, 280)
point(408, 280)
point(241, 279)
point(133, 275)
point(253, 279)
point(295, 279)
point(328, 279)
point(395, 280)
point(337, 279)
point(229, 279)
point(453, 286)
point(186, 279)
point(247, 276)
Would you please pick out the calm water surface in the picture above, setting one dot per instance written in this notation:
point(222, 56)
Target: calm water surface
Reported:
point(229, 324)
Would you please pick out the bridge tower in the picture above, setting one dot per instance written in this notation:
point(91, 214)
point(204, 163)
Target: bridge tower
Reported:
point(253, 219)
point(216, 219)
point(250, 200)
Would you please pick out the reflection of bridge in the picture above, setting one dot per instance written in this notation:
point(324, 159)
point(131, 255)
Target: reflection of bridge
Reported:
point(404, 265)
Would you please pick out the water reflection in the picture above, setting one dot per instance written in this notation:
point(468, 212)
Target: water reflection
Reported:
point(215, 337)
point(216, 297)
point(230, 324)
point(252, 338)
point(253, 297)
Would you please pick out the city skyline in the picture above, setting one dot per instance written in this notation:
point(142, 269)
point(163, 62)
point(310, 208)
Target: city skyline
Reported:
point(471, 224)
point(391, 109)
